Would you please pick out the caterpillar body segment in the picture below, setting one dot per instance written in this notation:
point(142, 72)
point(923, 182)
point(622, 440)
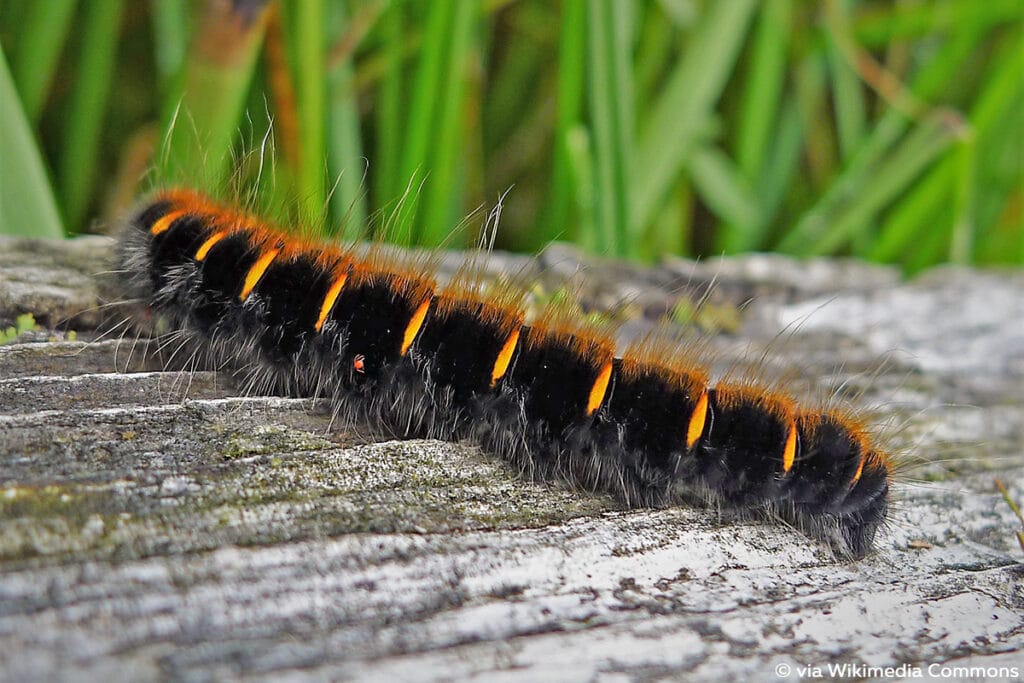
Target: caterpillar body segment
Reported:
point(385, 344)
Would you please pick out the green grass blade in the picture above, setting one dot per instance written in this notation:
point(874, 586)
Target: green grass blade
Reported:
point(860, 169)
point(679, 114)
point(890, 178)
point(924, 208)
point(766, 194)
point(203, 115)
point(961, 244)
point(928, 249)
point(847, 89)
point(819, 135)
point(999, 205)
point(763, 87)
point(84, 117)
point(723, 188)
point(656, 45)
point(1002, 92)
point(758, 118)
point(307, 39)
point(443, 196)
point(422, 113)
point(27, 205)
point(390, 122)
point(581, 162)
point(40, 41)
point(563, 194)
point(344, 146)
point(170, 39)
point(780, 167)
point(671, 230)
point(513, 82)
point(881, 23)
point(847, 96)
point(610, 88)
point(927, 206)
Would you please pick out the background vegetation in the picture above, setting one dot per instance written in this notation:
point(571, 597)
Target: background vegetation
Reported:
point(890, 130)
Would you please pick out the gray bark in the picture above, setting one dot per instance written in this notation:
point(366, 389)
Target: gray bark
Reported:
point(159, 524)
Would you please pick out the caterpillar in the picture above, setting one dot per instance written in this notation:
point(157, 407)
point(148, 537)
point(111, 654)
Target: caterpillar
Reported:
point(384, 344)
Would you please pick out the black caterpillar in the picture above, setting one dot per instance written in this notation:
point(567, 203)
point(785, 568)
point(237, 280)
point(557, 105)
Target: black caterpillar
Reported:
point(384, 345)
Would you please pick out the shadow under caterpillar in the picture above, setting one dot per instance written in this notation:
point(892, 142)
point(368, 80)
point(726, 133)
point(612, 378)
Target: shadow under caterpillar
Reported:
point(384, 344)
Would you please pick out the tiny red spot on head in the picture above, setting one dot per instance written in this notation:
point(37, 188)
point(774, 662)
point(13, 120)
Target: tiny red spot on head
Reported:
point(359, 363)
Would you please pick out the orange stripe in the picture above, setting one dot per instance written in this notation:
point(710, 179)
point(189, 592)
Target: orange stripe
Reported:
point(414, 326)
point(600, 388)
point(697, 420)
point(860, 470)
point(789, 452)
point(256, 272)
point(504, 357)
point(164, 224)
point(205, 247)
point(328, 304)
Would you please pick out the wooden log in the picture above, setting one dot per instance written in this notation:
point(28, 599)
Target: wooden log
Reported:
point(157, 524)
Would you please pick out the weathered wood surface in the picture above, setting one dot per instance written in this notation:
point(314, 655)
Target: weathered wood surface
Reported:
point(156, 524)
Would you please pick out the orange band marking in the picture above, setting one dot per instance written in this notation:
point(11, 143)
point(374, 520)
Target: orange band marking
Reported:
point(600, 388)
point(164, 224)
point(256, 272)
point(789, 452)
point(697, 421)
point(414, 326)
point(860, 470)
point(328, 304)
point(205, 247)
point(504, 357)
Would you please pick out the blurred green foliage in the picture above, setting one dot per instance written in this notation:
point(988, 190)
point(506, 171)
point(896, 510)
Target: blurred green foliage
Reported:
point(889, 130)
point(25, 322)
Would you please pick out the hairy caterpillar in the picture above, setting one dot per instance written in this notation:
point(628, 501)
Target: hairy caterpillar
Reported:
point(383, 343)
